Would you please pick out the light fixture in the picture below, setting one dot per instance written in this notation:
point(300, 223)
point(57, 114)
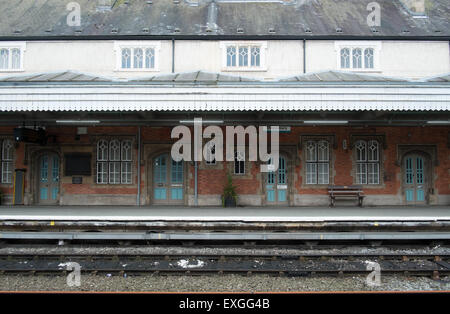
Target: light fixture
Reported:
point(77, 122)
point(439, 122)
point(325, 122)
point(202, 121)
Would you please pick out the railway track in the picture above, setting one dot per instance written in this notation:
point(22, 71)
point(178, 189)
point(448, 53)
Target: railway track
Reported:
point(247, 264)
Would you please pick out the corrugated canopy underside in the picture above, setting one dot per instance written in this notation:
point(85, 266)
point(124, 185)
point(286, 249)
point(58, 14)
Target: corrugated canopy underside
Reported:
point(47, 18)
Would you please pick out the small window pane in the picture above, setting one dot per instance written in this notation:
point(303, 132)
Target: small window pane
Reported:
point(231, 56)
point(138, 58)
point(361, 151)
point(255, 60)
point(102, 150)
point(373, 150)
point(323, 173)
point(126, 172)
point(126, 151)
point(114, 172)
point(7, 172)
point(7, 150)
point(361, 173)
point(311, 151)
point(357, 61)
point(311, 173)
point(15, 58)
point(368, 58)
point(243, 56)
point(114, 150)
point(345, 58)
point(102, 173)
point(322, 149)
point(4, 58)
point(126, 58)
point(150, 58)
point(239, 162)
point(373, 173)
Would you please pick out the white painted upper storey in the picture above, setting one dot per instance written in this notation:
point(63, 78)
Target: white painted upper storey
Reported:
point(269, 59)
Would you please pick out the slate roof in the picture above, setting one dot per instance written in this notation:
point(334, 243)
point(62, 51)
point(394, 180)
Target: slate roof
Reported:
point(341, 76)
point(214, 18)
point(63, 76)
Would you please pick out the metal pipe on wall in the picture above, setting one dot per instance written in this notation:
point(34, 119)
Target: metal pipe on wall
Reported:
point(138, 200)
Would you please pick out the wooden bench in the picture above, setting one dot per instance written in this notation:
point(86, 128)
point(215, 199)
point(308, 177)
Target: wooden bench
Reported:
point(346, 191)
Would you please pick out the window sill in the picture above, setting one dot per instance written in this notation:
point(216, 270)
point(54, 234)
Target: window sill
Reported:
point(362, 70)
point(240, 69)
point(11, 70)
point(136, 70)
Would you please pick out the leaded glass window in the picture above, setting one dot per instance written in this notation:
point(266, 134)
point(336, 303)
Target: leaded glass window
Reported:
point(357, 58)
point(368, 58)
point(114, 162)
point(317, 162)
point(345, 58)
point(239, 162)
point(7, 157)
point(367, 162)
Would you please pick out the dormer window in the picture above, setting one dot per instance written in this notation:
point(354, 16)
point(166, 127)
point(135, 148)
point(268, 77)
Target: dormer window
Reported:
point(11, 56)
point(137, 56)
point(243, 56)
point(358, 56)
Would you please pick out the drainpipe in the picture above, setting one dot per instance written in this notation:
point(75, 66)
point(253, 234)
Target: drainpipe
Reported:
point(138, 200)
point(195, 184)
point(304, 55)
point(173, 55)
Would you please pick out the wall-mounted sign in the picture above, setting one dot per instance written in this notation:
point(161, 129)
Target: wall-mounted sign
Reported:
point(77, 180)
point(77, 164)
point(281, 129)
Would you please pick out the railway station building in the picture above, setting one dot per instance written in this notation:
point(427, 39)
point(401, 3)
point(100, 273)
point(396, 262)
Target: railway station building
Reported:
point(87, 111)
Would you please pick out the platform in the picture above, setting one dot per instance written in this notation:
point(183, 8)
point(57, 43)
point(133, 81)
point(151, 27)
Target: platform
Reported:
point(212, 214)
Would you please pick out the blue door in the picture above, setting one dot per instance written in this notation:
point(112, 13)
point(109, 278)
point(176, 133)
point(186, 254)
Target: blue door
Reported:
point(168, 179)
point(414, 181)
point(48, 179)
point(277, 184)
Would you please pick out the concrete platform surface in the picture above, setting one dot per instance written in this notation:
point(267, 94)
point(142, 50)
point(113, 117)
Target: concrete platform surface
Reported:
point(244, 214)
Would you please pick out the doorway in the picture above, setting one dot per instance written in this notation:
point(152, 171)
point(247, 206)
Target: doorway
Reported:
point(48, 179)
point(277, 184)
point(415, 179)
point(168, 181)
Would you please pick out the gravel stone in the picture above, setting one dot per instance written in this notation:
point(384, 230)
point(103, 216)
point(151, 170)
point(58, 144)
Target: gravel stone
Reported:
point(219, 283)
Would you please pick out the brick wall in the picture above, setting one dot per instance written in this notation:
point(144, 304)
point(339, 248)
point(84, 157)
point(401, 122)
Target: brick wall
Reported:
point(211, 179)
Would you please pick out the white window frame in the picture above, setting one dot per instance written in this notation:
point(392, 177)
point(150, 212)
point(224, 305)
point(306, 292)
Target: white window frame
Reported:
point(262, 56)
point(316, 162)
point(7, 162)
point(120, 165)
point(10, 45)
point(367, 162)
point(119, 45)
point(363, 45)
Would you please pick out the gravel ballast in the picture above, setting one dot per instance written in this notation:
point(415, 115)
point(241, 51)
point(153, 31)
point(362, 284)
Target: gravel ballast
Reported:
point(219, 283)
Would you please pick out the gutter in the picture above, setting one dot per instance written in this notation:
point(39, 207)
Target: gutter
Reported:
point(223, 37)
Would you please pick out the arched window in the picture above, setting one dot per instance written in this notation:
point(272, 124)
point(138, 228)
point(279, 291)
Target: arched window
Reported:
point(4, 58)
point(357, 58)
point(7, 161)
point(317, 162)
point(368, 58)
point(345, 58)
point(126, 58)
point(114, 161)
point(367, 162)
point(138, 58)
point(239, 162)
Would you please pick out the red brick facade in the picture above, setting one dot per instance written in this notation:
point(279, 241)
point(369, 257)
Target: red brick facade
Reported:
point(395, 142)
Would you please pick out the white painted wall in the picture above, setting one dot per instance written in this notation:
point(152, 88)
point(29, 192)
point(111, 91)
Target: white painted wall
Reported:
point(283, 58)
